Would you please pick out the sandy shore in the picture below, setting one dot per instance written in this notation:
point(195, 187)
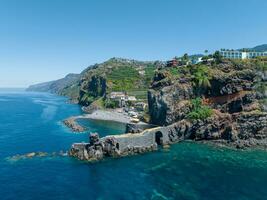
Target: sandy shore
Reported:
point(108, 115)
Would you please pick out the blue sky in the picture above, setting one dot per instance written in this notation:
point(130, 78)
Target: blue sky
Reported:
point(44, 40)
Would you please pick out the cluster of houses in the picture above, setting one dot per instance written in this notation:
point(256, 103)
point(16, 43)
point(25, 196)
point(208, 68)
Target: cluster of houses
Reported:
point(124, 99)
point(192, 60)
point(129, 104)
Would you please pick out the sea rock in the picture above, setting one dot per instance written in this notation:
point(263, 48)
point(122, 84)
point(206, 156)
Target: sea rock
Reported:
point(30, 155)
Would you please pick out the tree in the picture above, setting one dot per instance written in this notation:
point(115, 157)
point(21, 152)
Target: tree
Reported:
point(185, 58)
point(205, 59)
point(206, 52)
point(201, 78)
point(217, 57)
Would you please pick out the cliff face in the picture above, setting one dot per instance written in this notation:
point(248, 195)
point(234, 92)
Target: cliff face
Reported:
point(232, 96)
point(91, 89)
point(170, 103)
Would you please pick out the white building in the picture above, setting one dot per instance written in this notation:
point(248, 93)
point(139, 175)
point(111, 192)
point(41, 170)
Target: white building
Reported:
point(121, 97)
point(117, 95)
point(237, 54)
point(196, 60)
point(130, 98)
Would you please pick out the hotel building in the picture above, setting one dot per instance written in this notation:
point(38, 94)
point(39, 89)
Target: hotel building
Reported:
point(238, 54)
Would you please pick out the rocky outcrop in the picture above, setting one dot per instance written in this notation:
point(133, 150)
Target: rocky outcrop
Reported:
point(170, 103)
point(232, 82)
point(137, 127)
point(239, 117)
point(92, 88)
point(73, 125)
point(252, 125)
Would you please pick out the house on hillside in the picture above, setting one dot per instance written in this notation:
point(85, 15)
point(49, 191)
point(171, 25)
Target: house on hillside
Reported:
point(140, 106)
point(130, 98)
point(117, 95)
point(196, 60)
point(172, 63)
point(121, 98)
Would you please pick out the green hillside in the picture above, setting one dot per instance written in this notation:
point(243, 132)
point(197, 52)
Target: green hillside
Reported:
point(116, 74)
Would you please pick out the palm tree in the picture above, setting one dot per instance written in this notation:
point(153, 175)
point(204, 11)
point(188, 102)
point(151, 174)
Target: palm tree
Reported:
point(201, 79)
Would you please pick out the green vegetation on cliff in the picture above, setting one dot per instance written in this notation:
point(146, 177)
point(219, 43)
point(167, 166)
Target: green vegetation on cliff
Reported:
point(232, 85)
point(199, 111)
point(124, 78)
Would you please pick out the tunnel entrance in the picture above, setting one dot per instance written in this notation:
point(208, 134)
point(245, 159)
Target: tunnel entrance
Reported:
point(159, 138)
point(118, 146)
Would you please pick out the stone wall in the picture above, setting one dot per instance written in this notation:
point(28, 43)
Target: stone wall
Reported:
point(122, 145)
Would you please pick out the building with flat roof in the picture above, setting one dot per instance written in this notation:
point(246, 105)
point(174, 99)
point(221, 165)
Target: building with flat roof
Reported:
point(238, 54)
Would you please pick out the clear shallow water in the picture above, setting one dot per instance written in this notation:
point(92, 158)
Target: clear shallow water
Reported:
point(31, 122)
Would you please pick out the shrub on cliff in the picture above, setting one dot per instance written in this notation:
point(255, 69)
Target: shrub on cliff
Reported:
point(199, 111)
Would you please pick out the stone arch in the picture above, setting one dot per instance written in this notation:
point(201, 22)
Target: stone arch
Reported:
point(118, 146)
point(159, 138)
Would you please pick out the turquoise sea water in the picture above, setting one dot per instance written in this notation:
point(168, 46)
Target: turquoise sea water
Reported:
point(32, 122)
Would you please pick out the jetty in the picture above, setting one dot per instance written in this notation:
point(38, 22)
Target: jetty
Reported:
point(129, 143)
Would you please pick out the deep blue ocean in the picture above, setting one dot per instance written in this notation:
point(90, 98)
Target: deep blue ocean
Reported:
point(31, 122)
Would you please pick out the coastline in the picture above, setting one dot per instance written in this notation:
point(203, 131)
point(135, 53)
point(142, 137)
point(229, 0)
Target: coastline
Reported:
point(108, 115)
point(103, 115)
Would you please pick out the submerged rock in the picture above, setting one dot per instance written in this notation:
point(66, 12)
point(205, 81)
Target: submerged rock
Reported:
point(32, 155)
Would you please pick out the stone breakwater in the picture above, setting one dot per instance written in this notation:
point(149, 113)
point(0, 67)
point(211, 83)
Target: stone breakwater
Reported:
point(73, 125)
point(125, 144)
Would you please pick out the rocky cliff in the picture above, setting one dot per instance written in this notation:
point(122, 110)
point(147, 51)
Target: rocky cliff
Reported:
point(223, 101)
